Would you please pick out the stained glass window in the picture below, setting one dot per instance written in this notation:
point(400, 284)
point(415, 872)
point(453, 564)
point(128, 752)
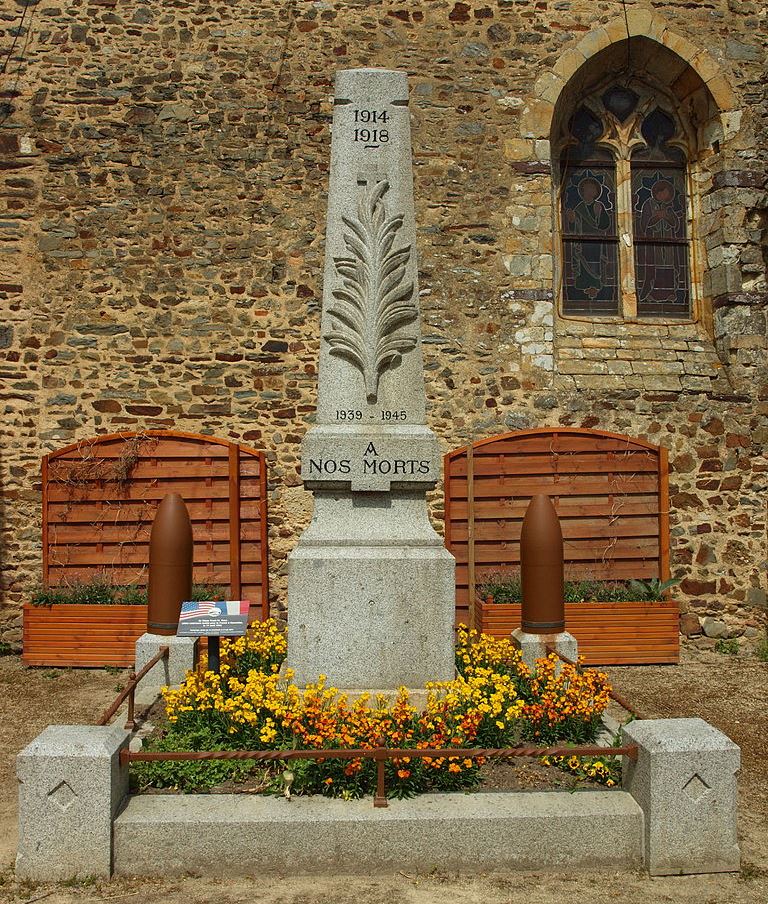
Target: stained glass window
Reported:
point(590, 239)
point(659, 215)
point(620, 101)
point(652, 216)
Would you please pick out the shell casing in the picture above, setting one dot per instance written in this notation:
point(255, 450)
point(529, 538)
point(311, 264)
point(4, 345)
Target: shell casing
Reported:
point(170, 565)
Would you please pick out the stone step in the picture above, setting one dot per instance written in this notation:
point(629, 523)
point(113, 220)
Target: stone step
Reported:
point(237, 834)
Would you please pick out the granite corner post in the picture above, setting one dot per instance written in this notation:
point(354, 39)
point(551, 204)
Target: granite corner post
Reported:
point(371, 587)
point(684, 780)
point(71, 787)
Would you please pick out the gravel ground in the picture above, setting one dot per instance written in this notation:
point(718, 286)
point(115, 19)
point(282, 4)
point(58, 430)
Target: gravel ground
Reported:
point(728, 691)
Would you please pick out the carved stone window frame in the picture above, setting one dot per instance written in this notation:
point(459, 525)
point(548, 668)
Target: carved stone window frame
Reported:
point(620, 139)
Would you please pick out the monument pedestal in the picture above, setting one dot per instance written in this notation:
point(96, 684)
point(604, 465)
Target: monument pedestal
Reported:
point(370, 594)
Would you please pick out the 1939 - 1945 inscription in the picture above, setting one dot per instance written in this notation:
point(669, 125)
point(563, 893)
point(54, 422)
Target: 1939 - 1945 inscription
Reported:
point(356, 414)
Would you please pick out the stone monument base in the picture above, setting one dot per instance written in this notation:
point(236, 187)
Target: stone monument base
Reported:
point(371, 617)
point(534, 646)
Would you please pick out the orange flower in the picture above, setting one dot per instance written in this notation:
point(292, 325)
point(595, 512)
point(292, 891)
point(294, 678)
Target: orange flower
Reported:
point(403, 773)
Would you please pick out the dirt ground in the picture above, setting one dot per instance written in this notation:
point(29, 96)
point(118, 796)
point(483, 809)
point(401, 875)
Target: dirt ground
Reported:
point(730, 692)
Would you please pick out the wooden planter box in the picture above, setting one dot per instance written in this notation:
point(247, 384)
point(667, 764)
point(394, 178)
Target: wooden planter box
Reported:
point(608, 633)
point(67, 635)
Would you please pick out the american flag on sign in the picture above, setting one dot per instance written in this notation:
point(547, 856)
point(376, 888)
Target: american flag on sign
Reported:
point(196, 609)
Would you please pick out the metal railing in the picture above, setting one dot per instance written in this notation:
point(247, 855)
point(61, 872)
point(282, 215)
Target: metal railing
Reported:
point(129, 691)
point(380, 755)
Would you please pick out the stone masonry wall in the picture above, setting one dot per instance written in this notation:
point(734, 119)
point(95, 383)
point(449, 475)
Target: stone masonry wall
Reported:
point(163, 170)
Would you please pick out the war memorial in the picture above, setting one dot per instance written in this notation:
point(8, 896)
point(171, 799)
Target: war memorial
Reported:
point(371, 595)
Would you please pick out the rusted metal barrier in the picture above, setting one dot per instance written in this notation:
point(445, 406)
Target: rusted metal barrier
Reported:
point(129, 691)
point(381, 754)
point(611, 693)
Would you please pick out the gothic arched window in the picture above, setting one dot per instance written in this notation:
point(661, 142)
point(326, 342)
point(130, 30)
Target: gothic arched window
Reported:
point(624, 210)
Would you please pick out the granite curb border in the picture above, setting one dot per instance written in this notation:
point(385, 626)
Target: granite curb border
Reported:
point(249, 835)
point(676, 814)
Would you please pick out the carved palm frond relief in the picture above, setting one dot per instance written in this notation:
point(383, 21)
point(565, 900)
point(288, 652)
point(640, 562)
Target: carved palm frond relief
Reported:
point(374, 302)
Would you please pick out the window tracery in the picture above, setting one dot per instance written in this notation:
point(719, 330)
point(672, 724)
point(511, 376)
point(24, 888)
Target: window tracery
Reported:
point(624, 208)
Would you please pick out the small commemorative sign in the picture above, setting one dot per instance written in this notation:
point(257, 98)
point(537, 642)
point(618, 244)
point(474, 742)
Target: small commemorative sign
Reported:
point(213, 618)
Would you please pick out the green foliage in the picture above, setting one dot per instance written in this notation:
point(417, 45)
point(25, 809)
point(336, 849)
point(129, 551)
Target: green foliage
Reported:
point(188, 775)
point(653, 590)
point(597, 591)
point(101, 593)
point(761, 650)
point(503, 588)
point(728, 646)
point(95, 593)
point(202, 592)
point(50, 596)
point(132, 595)
point(5, 648)
point(507, 588)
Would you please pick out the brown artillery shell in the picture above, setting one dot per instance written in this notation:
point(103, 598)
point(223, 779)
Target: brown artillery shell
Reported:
point(541, 568)
point(170, 565)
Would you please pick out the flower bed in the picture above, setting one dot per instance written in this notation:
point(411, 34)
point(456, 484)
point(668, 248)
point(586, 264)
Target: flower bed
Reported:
point(494, 702)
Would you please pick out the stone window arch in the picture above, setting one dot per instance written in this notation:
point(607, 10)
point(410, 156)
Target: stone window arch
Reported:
point(625, 206)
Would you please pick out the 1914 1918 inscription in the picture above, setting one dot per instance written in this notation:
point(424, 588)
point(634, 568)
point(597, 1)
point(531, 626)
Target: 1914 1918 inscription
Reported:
point(372, 134)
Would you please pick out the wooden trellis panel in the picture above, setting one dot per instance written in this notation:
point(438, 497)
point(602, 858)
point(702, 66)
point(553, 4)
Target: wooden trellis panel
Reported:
point(100, 498)
point(610, 492)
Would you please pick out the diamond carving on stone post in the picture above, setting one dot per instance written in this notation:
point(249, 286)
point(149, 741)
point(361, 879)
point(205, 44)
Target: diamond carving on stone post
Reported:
point(63, 796)
point(696, 788)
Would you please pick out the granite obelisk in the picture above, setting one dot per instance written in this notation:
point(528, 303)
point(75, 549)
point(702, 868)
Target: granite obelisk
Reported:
point(370, 585)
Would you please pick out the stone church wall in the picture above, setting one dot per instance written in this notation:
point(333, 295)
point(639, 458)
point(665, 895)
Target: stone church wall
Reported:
point(163, 178)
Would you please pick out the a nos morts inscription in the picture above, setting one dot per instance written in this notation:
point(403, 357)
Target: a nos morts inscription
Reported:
point(371, 464)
